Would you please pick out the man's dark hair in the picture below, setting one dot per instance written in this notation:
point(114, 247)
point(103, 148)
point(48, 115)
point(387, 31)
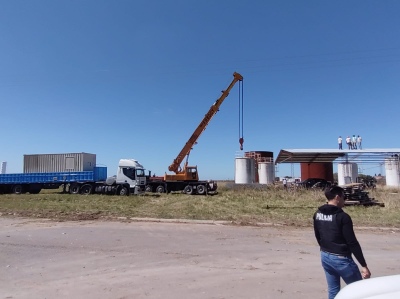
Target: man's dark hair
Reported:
point(331, 192)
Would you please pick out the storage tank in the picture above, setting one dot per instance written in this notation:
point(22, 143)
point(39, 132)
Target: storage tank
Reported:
point(347, 173)
point(59, 162)
point(244, 171)
point(266, 173)
point(392, 172)
point(3, 167)
point(259, 156)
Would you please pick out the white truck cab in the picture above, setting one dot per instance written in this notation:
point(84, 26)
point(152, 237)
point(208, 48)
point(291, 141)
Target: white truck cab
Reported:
point(131, 172)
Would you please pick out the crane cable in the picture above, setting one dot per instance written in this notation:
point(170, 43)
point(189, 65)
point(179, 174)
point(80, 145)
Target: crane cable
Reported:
point(241, 138)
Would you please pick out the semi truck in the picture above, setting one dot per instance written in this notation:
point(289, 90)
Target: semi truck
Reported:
point(130, 179)
point(186, 179)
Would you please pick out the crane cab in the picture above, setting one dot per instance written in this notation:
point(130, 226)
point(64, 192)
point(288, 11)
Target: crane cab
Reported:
point(189, 173)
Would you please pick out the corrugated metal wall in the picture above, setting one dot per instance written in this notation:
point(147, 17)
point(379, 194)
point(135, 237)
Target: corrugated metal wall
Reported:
point(317, 170)
point(59, 162)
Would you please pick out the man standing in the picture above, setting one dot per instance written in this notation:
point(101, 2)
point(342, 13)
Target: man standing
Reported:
point(348, 141)
point(359, 140)
point(335, 235)
point(340, 142)
point(284, 182)
point(354, 142)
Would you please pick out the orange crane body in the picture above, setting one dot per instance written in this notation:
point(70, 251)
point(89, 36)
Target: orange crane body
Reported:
point(189, 173)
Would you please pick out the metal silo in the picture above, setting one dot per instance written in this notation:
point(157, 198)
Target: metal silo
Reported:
point(3, 167)
point(392, 170)
point(266, 172)
point(244, 171)
point(259, 156)
point(347, 173)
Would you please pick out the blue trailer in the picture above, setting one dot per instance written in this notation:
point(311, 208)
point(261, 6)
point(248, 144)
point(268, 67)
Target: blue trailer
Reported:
point(79, 182)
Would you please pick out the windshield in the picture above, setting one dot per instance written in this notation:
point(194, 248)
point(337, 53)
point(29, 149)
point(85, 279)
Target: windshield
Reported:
point(140, 172)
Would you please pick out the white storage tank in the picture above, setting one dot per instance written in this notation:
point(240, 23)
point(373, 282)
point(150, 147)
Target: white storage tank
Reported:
point(3, 167)
point(392, 172)
point(266, 173)
point(347, 173)
point(59, 162)
point(244, 171)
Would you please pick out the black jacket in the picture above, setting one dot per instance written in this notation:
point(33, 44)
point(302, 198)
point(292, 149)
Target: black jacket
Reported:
point(334, 232)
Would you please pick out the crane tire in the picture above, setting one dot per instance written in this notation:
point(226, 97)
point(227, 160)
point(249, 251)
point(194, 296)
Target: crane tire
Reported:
point(201, 189)
point(188, 190)
point(160, 189)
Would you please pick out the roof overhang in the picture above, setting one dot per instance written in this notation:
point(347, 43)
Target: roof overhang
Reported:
point(330, 155)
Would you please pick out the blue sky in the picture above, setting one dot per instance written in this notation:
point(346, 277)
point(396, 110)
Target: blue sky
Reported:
point(133, 79)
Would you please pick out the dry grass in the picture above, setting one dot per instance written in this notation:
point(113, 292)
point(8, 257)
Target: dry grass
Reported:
point(236, 203)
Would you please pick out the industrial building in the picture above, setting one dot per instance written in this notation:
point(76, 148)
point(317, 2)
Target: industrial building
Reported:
point(259, 166)
point(319, 163)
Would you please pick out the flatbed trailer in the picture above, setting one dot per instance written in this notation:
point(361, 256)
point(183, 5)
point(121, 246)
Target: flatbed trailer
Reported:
point(80, 182)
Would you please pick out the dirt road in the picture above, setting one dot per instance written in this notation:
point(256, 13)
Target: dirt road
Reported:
point(44, 259)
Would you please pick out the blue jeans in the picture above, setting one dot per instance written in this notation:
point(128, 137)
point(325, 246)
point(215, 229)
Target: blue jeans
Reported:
point(336, 266)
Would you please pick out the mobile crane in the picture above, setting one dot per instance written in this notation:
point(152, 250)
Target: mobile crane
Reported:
point(186, 179)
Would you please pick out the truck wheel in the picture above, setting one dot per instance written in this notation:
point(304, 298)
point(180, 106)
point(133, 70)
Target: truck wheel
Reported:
point(148, 188)
point(188, 190)
point(34, 188)
point(36, 191)
point(201, 189)
point(86, 189)
point(160, 189)
point(123, 191)
point(17, 189)
point(74, 189)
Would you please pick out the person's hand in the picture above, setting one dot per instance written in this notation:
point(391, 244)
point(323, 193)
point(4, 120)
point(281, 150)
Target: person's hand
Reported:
point(365, 273)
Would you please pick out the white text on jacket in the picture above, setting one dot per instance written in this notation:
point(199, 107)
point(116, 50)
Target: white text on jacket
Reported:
point(323, 217)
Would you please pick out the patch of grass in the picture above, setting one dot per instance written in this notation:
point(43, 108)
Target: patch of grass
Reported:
point(239, 204)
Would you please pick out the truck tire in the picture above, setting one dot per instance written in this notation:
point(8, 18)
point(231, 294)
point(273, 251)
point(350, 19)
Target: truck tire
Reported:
point(148, 188)
point(74, 189)
point(123, 191)
point(17, 189)
point(201, 189)
point(34, 188)
point(160, 189)
point(188, 190)
point(86, 189)
point(36, 191)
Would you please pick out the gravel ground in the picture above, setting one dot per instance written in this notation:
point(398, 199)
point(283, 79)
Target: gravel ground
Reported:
point(95, 259)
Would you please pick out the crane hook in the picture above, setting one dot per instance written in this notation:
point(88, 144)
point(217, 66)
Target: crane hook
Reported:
point(241, 140)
